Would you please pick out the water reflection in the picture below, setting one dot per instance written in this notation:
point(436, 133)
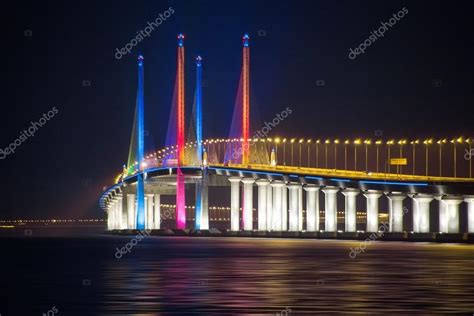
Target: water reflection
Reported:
point(239, 276)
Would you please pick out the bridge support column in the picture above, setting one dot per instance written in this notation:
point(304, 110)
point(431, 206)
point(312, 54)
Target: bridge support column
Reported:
point(118, 215)
point(157, 212)
point(119, 212)
point(470, 213)
point(234, 203)
point(205, 201)
point(330, 208)
point(350, 209)
point(131, 211)
point(262, 204)
point(110, 219)
point(372, 210)
point(269, 208)
point(451, 204)
point(284, 208)
point(149, 211)
point(123, 205)
point(113, 213)
point(395, 207)
point(198, 205)
point(421, 213)
point(278, 187)
point(294, 207)
point(247, 210)
point(443, 223)
point(300, 208)
point(145, 210)
point(312, 207)
point(202, 202)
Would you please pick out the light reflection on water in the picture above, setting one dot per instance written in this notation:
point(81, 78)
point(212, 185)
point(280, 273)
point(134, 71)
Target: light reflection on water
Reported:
point(234, 276)
point(267, 275)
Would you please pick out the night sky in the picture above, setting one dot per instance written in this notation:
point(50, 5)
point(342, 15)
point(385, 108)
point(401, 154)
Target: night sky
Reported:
point(416, 81)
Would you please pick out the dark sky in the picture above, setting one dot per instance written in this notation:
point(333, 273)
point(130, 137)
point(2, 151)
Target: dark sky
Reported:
point(415, 81)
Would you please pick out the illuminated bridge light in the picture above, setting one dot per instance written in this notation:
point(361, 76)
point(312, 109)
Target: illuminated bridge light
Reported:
point(314, 178)
point(341, 180)
point(394, 183)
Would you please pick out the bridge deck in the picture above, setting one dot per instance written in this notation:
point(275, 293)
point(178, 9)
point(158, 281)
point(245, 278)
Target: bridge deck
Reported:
point(337, 173)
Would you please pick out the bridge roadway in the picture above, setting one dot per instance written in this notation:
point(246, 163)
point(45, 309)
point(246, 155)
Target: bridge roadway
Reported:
point(275, 202)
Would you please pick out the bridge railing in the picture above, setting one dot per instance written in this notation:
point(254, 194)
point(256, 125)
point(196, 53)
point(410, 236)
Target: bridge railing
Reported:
point(428, 158)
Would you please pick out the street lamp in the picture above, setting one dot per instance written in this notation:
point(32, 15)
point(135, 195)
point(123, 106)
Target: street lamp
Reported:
point(226, 147)
point(213, 147)
point(277, 141)
point(377, 144)
point(218, 144)
point(284, 151)
point(469, 141)
point(401, 142)
point(346, 142)
point(440, 143)
point(300, 142)
point(292, 142)
point(367, 142)
point(389, 143)
point(454, 142)
point(427, 142)
point(309, 147)
point(317, 153)
point(336, 141)
point(356, 142)
point(414, 143)
point(270, 140)
point(326, 151)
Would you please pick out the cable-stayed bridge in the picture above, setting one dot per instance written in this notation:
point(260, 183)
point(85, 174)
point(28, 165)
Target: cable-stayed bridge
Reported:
point(285, 184)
